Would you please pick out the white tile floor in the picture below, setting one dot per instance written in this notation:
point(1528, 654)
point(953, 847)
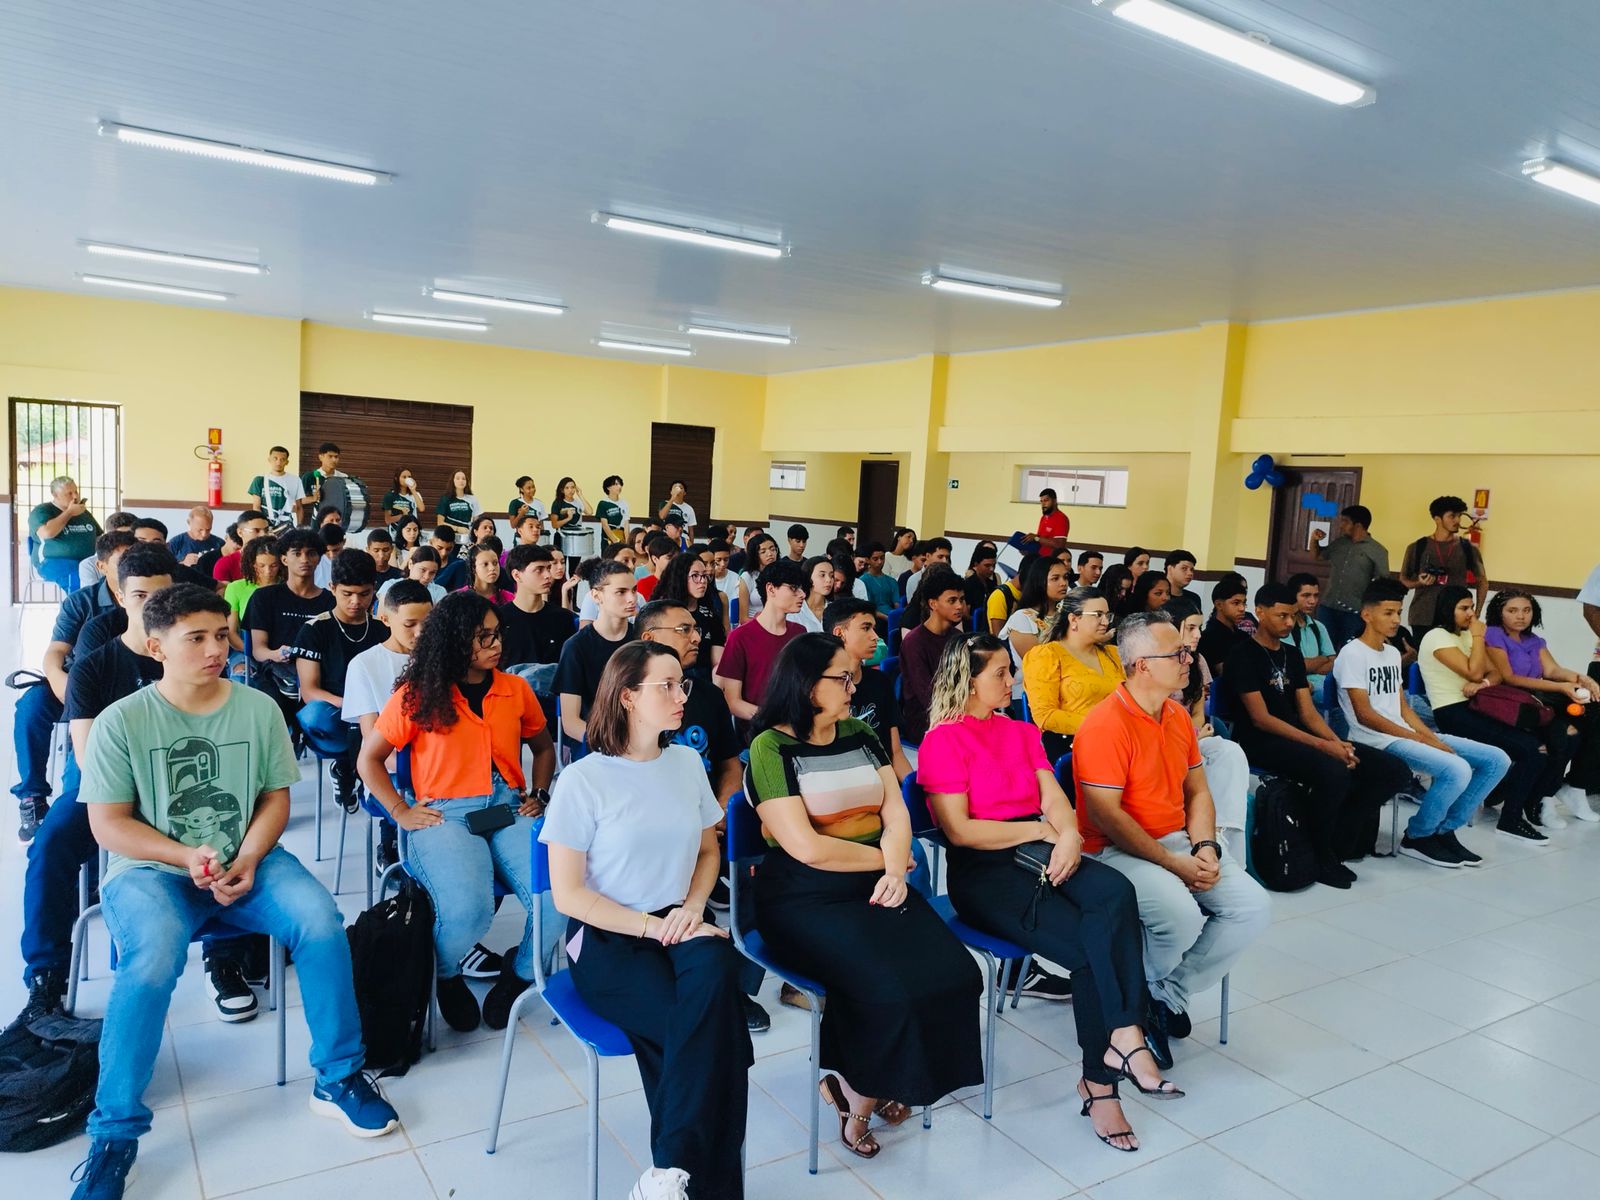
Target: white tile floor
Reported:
point(1426, 1034)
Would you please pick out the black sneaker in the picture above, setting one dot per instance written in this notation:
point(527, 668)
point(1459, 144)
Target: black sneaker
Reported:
point(346, 788)
point(720, 896)
point(1467, 857)
point(1522, 831)
point(497, 1004)
point(457, 1005)
point(46, 990)
point(481, 963)
point(30, 811)
point(1429, 850)
point(1040, 984)
point(756, 1018)
point(1335, 875)
point(235, 999)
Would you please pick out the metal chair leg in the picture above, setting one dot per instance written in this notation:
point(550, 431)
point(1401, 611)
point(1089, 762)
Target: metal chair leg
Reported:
point(279, 990)
point(994, 984)
point(594, 1121)
point(1223, 1022)
point(79, 968)
point(816, 1079)
point(1016, 989)
point(338, 869)
point(319, 809)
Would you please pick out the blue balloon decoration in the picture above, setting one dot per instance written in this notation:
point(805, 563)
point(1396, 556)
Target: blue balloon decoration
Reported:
point(1275, 477)
point(1262, 464)
point(1253, 480)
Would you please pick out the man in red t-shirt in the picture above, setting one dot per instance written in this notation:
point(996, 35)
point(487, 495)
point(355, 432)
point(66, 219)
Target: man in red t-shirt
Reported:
point(753, 646)
point(1053, 525)
point(1143, 808)
point(250, 526)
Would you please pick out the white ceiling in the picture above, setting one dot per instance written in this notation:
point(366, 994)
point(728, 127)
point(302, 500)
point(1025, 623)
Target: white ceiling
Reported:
point(1033, 138)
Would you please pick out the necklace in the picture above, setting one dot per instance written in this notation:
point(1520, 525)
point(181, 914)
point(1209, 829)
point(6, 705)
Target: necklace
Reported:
point(1279, 681)
point(365, 623)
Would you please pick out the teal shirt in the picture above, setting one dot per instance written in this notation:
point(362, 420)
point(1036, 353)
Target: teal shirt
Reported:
point(194, 778)
point(76, 539)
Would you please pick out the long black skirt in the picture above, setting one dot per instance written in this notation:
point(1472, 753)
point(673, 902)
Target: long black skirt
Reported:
point(901, 1017)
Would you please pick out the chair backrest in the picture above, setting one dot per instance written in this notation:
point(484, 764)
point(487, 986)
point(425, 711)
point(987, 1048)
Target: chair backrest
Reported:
point(1330, 691)
point(893, 620)
point(733, 611)
point(1027, 711)
point(916, 798)
point(1064, 778)
point(890, 666)
point(402, 770)
point(1413, 679)
point(539, 882)
point(742, 840)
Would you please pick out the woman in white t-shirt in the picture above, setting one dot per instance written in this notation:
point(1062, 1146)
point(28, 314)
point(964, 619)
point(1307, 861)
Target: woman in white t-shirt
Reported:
point(761, 552)
point(1044, 585)
point(633, 858)
point(819, 574)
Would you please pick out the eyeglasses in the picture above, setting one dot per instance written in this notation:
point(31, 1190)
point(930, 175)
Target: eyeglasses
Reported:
point(1089, 614)
point(1182, 656)
point(844, 678)
point(487, 637)
point(699, 577)
point(681, 630)
point(682, 686)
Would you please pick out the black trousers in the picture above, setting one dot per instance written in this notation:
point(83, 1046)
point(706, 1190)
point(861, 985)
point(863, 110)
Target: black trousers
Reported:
point(1090, 925)
point(1345, 801)
point(1538, 760)
point(680, 1007)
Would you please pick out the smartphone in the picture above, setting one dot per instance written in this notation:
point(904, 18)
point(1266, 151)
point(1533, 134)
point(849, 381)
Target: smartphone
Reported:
point(485, 821)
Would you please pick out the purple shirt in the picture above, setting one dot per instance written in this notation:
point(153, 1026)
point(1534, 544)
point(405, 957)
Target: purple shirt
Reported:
point(1523, 655)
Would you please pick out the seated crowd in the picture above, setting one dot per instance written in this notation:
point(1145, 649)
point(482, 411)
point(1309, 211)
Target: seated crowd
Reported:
point(1084, 736)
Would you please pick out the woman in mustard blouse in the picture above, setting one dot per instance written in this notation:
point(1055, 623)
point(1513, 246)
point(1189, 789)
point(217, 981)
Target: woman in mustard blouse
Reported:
point(1072, 669)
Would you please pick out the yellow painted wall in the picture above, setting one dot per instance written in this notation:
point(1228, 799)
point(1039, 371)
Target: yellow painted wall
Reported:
point(734, 404)
point(174, 370)
point(832, 491)
point(879, 406)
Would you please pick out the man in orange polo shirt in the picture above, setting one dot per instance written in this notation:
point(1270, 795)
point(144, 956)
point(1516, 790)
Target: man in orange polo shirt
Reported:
point(1143, 808)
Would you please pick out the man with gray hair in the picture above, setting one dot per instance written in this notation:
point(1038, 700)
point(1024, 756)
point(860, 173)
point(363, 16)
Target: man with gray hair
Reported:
point(1143, 808)
point(61, 533)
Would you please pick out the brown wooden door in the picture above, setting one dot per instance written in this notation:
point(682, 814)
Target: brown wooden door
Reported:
point(377, 437)
point(1312, 501)
point(681, 452)
point(875, 511)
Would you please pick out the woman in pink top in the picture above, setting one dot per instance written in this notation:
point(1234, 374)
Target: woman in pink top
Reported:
point(992, 791)
point(486, 576)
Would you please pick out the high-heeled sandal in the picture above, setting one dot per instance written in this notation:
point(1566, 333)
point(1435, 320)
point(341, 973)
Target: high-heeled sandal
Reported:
point(1165, 1090)
point(833, 1093)
point(1089, 1100)
point(892, 1112)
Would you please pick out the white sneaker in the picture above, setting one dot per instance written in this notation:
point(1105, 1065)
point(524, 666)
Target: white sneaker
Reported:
point(661, 1183)
point(1549, 818)
point(1577, 803)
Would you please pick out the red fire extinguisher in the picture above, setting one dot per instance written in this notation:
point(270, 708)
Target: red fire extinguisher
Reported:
point(214, 483)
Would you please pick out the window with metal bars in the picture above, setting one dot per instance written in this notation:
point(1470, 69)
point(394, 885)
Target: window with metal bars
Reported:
point(49, 439)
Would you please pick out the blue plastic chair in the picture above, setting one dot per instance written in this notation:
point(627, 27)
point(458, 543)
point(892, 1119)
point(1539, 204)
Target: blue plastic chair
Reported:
point(1063, 770)
point(1413, 680)
point(893, 619)
point(994, 951)
point(745, 849)
point(890, 666)
point(598, 1037)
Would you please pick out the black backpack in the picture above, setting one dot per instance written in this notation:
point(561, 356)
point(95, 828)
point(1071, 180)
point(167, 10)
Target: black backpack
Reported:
point(391, 956)
point(1281, 855)
point(48, 1071)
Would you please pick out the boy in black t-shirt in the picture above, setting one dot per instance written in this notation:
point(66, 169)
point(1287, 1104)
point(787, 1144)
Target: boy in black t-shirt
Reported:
point(1224, 630)
point(324, 647)
point(532, 629)
point(586, 653)
point(380, 545)
point(854, 622)
point(1282, 732)
point(276, 613)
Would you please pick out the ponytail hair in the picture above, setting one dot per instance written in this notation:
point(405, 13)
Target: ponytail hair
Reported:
point(965, 656)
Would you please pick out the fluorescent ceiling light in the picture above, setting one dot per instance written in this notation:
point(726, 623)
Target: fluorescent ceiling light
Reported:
point(171, 258)
point(164, 289)
point(686, 233)
point(530, 306)
point(465, 326)
point(1563, 178)
point(1251, 51)
point(1038, 297)
point(249, 155)
point(741, 335)
point(642, 347)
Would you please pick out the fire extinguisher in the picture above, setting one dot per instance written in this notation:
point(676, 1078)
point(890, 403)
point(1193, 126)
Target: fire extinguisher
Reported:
point(214, 483)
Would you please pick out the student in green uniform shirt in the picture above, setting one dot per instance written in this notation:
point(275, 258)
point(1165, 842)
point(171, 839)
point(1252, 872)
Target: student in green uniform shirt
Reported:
point(64, 531)
point(282, 495)
point(404, 499)
point(527, 498)
point(613, 510)
point(458, 506)
point(328, 455)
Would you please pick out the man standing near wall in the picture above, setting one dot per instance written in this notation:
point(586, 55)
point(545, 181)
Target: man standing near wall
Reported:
point(1051, 536)
point(1358, 559)
point(1441, 558)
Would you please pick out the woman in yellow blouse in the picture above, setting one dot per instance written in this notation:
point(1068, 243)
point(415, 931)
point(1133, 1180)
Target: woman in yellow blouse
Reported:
point(1072, 669)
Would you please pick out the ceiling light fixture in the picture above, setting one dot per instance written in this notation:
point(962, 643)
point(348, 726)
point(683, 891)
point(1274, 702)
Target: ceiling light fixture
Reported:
point(248, 155)
point(691, 234)
point(771, 338)
point(606, 343)
point(1252, 51)
point(1036, 295)
point(164, 289)
point(172, 258)
point(464, 326)
point(529, 306)
point(1563, 178)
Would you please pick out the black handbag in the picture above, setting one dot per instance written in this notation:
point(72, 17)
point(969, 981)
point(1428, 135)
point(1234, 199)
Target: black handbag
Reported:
point(1034, 858)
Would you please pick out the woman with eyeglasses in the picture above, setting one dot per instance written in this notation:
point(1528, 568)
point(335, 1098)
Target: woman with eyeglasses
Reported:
point(633, 858)
point(472, 820)
point(1072, 669)
point(993, 791)
point(900, 1026)
point(688, 581)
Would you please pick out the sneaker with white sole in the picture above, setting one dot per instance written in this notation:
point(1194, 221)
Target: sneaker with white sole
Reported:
point(1429, 850)
point(230, 991)
point(1576, 802)
point(481, 963)
point(1453, 843)
point(356, 1101)
point(661, 1183)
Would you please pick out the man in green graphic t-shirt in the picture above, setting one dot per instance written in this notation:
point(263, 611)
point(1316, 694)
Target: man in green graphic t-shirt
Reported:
point(187, 782)
point(63, 530)
point(282, 495)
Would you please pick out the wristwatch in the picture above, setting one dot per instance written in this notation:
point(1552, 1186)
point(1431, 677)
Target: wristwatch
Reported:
point(542, 795)
point(1196, 847)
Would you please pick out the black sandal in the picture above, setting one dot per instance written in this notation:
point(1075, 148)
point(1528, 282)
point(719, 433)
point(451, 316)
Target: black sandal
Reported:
point(1089, 1100)
point(1165, 1090)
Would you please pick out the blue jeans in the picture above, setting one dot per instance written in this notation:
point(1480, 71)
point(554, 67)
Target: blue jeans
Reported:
point(329, 733)
point(1460, 780)
point(38, 710)
point(63, 572)
point(458, 869)
point(154, 915)
point(50, 887)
